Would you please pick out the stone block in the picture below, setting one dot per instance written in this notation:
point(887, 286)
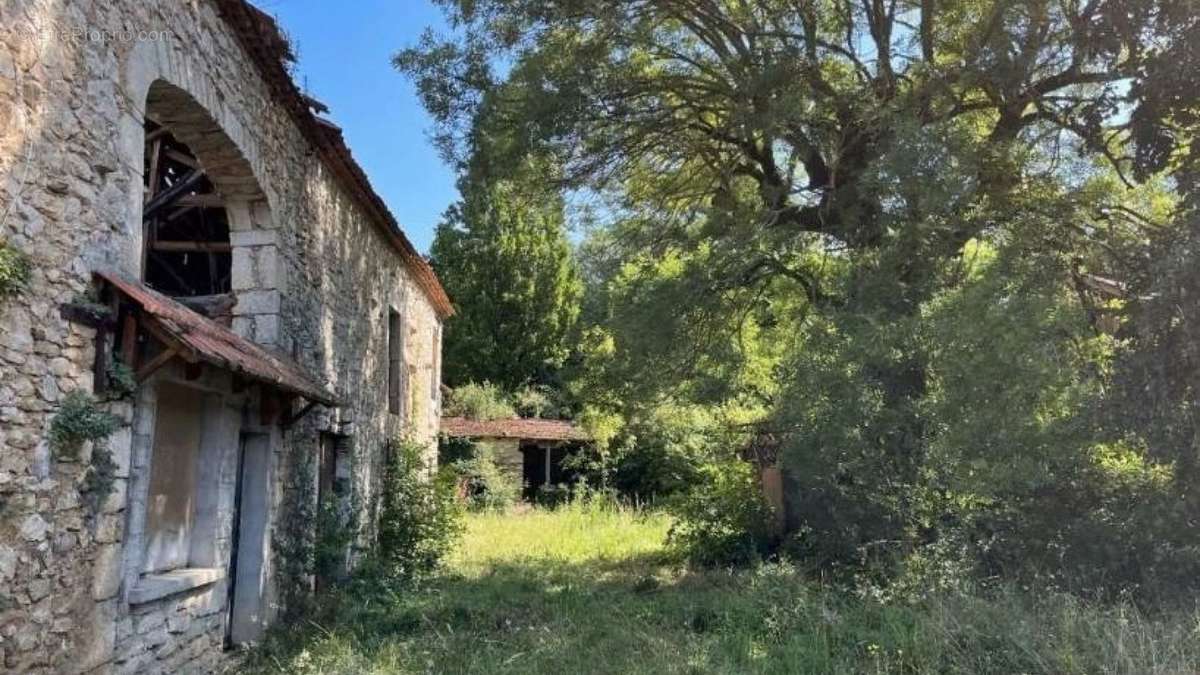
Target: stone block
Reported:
point(151, 620)
point(38, 589)
point(97, 641)
point(259, 237)
point(266, 329)
point(109, 528)
point(8, 562)
point(242, 270)
point(257, 302)
point(267, 265)
point(119, 446)
point(178, 622)
point(244, 326)
point(115, 500)
point(106, 572)
point(34, 528)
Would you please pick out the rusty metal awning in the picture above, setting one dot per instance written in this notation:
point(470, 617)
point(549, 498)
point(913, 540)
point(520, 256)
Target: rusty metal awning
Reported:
point(202, 339)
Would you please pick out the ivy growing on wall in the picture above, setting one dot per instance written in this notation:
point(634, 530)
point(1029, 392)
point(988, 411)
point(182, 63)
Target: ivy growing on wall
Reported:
point(14, 269)
point(121, 379)
point(293, 537)
point(311, 538)
point(79, 419)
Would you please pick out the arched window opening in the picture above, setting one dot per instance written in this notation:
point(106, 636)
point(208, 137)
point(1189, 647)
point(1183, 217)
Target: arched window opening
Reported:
point(187, 251)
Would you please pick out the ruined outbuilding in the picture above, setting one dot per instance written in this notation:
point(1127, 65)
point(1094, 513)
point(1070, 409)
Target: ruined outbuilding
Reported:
point(210, 269)
point(530, 449)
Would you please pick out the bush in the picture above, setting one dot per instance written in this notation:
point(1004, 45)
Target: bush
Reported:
point(79, 420)
point(484, 484)
point(479, 402)
point(419, 519)
point(723, 519)
point(14, 269)
point(553, 496)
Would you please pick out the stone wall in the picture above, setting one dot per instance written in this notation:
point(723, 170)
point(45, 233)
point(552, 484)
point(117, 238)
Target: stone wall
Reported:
point(314, 275)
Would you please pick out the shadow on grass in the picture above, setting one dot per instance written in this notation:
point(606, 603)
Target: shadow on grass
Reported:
point(642, 613)
point(646, 614)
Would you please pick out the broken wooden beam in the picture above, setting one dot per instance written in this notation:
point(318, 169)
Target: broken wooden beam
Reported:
point(171, 194)
point(205, 201)
point(165, 246)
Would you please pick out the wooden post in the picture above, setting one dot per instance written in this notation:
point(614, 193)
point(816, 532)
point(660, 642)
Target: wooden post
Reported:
point(771, 478)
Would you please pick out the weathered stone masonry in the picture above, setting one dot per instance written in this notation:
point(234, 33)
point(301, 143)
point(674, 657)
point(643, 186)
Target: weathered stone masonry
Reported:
point(317, 265)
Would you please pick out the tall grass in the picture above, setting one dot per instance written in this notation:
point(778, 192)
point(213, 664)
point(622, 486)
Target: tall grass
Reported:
point(588, 588)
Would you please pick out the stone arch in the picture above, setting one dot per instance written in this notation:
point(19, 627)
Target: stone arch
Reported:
point(180, 97)
point(173, 89)
point(223, 161)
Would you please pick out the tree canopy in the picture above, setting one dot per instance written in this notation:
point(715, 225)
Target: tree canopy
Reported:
point(503, 255)
point(924, 252)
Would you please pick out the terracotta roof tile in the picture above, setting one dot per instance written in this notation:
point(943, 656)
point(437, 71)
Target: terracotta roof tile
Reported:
point(522, 428)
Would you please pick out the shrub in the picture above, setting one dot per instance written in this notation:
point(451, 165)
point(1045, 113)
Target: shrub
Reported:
point(419, 518)
point(479, 402)
point(553, 495)
point(484, 483)
point(723, 519)
point(14, 269)
point(79, 420)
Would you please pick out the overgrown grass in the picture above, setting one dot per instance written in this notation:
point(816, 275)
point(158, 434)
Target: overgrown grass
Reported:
point(589, 588)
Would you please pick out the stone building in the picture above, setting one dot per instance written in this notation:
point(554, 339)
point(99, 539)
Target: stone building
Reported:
point(533, 450)
point(209, 269)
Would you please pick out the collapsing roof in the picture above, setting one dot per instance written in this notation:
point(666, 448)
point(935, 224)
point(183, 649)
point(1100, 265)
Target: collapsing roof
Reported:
point(199, 338)
point(270, 51)
point(518, 428)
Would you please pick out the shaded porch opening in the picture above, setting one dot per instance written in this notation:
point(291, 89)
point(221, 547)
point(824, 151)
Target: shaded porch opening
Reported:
point(545, 466)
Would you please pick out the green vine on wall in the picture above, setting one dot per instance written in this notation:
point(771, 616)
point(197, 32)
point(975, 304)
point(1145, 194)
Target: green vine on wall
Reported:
point(14, 269)
point(121, 379)
point(79, 420)
point(312, 538)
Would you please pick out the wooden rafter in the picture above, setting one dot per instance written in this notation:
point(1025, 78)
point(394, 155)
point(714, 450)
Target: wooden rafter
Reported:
point(191, 246)
point(150, 367)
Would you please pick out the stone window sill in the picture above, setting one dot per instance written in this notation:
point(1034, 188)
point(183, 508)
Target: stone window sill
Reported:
point(154, 586)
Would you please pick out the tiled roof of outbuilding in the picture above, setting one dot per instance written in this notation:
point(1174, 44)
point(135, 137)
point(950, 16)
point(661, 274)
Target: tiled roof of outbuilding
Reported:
point(521, 428)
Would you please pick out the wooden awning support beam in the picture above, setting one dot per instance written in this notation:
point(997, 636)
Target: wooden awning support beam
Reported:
point(295, 417)
point(155, 363)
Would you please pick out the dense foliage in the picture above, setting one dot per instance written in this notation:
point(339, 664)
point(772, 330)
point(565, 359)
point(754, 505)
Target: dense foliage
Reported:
point(484, 401)
point(481, 482)
point(80, 419)
point(14, 269)
point(936, 259)
point(419, 518)
point(502, 254)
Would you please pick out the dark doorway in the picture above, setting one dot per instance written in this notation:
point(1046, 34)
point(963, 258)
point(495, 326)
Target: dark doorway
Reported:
point(543, 465)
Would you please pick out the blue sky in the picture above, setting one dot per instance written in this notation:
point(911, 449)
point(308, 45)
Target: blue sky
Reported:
point(345, 51)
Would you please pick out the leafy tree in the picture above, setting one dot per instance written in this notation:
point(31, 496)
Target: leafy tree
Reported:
point(871, 230)
point(503, 255)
